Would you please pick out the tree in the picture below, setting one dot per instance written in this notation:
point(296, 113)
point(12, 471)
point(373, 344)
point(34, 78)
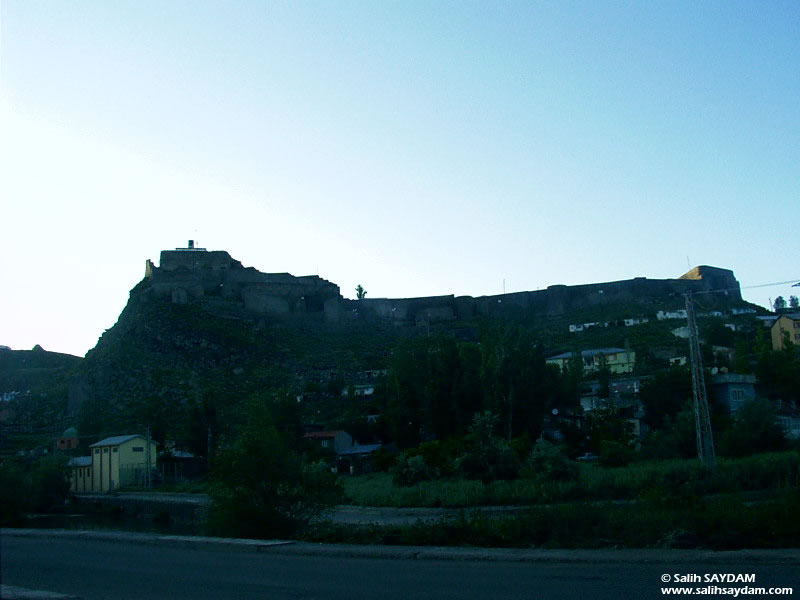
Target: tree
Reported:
point(754, 430)
point(677, 437)
point(360, 292)
point(605, 424)
point(794, 303)
point(262, 488)
point(49, 483)
point(518, 385)
point(664, 395)
point(779, 304)
point(487, 457)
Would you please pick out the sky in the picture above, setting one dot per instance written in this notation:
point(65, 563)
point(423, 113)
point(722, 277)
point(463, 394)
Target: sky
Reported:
point(415, 148)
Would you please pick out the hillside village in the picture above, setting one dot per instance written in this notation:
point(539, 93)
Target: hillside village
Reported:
point(599, 369)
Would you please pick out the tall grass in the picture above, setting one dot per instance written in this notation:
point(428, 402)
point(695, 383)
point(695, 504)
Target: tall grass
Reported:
point(674, 478)
point(716, 523)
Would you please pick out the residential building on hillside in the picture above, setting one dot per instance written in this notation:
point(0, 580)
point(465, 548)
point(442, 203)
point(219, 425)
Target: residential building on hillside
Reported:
point(619, 360)
point(732, 390)
point(676, 314)
point(68, 439)
point(335, 441)
point(356, 459)
point(785, 324)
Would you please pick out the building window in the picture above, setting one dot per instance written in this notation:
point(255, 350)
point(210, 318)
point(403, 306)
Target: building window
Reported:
point(138, 448)
point(114, 449)
point(105, 450)
point(325, 443)
point(88, 471)
point(97, 450)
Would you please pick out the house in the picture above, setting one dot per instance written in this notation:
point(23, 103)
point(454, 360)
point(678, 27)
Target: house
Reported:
point(790, 421)
point(767, 321)
point(677, 314)
point(356, 459)
point(80, 477)
point(121, 460)
point(619, 360)
point(334, 441)
point(68, 439)
point(733, 389)
point(785, 324)
point(632, 322)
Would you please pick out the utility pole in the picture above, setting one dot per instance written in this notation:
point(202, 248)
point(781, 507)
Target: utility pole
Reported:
point(702, 418)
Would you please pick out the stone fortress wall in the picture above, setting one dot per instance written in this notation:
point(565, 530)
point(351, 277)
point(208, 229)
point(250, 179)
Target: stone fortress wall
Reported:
point(553, 301)
point(191, 273)
point(185, 274)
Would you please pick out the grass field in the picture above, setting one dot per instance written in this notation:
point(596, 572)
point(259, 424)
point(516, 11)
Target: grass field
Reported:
point(675, 478)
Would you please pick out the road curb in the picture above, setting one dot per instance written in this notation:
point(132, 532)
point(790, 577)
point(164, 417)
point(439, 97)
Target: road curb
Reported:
point(150, 539)
point(12, 592)
point(287, 547)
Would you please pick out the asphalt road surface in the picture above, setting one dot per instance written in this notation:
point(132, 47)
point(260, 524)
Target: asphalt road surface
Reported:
point(94, 570)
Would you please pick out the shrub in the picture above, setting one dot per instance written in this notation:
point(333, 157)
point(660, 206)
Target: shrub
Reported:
point(548, 462)
point(13, 494)
point(754, 430)
point(408, 470)
point(615, 454)
point(49, 483)
point(487, 457)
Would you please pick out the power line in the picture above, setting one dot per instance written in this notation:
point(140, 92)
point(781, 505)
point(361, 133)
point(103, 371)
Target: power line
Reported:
point(794, 282)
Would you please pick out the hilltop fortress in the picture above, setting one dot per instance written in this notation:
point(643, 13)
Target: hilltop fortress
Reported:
point(191, 274)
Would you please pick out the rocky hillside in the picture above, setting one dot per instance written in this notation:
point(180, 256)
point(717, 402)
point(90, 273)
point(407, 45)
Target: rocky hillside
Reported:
point(201, 335)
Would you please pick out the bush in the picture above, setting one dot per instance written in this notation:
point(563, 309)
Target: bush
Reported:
point(547, 462)
point(49, 483)
point(408, 470)
point(615, 454)
point(440, 456)
point(14, 496)
point(754, 430)
point(487, 457)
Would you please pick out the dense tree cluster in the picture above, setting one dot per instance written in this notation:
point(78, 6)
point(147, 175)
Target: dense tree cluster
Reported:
point(436, 385)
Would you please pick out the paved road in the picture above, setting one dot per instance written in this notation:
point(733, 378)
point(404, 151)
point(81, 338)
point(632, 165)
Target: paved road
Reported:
point(93, 569)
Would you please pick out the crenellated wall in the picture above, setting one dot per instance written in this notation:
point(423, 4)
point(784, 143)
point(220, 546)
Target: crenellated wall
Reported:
point(186, 275)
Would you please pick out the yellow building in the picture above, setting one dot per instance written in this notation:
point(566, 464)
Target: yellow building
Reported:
point(619, 360)
point(80, 477)
point(121, 461)
point(786, 324)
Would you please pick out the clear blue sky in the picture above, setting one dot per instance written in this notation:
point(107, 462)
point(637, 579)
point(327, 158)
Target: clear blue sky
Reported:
point(417, 148)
